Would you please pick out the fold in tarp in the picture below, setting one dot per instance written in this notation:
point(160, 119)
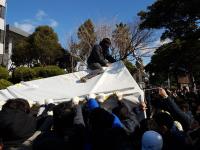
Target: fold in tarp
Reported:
point(4, 95)
point(64, 87)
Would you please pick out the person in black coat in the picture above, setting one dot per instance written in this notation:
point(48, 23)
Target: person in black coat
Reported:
point(105, 127)
point(168, 112)
point(16, 124)
point(100, 55)
point(68, 129)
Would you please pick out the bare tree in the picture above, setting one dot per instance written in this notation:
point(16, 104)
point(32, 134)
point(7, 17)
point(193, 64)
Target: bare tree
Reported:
point(122, 39)
point(104, 29)
point(140, 41)
point(128, 40)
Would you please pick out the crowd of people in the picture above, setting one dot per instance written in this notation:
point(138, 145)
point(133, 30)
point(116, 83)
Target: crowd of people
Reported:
point(103, 123)
point(99, 123)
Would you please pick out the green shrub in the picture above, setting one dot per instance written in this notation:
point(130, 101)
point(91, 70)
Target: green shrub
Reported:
point(4, 73)
point(48, 71)
point(37, 78)
point(4, 84)
point(38, 71)
point(23, 74)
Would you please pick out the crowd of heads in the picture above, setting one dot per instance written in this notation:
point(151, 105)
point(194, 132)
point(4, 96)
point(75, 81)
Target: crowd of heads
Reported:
point(100, 122)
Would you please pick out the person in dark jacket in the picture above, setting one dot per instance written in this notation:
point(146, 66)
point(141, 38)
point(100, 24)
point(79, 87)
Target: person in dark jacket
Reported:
point(100, 55)
point(69, 123)
point(16, 125)
point(69, 129)
point(167, 112)
point(173, 138)
point(168, 104)
point(105, 127)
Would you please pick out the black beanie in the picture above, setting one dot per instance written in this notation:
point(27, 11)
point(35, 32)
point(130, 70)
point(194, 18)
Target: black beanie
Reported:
point(106, 41)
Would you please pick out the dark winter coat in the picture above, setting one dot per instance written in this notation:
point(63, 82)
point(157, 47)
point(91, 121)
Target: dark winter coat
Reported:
point(170, 106)
point(98, 55)
point(15, 127)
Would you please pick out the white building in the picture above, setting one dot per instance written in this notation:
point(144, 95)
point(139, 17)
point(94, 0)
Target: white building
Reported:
point(2, 27)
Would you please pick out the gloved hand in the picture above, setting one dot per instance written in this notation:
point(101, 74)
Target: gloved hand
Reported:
point(48, 101)
point(119, 95)
point(40, 103)
point(101, 97)
point(91, 96)
point(31, 103)
point(75, 100)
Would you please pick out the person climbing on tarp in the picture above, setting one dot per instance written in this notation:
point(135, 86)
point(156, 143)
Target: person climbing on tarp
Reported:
point(99, 57)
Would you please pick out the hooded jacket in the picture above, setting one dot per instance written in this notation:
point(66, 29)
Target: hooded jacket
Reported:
point(98, 55)
point(15, 127)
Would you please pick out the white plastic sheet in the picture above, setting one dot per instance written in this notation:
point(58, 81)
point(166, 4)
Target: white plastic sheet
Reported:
point(65, 87)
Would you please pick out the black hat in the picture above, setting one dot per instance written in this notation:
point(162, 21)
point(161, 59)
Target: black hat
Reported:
point(106, 41)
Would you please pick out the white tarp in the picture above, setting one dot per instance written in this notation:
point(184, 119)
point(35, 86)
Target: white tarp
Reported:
point(65, 87)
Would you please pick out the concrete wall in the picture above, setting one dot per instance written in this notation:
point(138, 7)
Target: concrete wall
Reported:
point(2, 24)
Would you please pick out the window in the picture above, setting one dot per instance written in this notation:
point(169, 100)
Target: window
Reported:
point(2, 12)
point(2, 36)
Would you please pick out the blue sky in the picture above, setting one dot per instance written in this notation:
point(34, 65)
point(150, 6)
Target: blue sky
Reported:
point(66, 15)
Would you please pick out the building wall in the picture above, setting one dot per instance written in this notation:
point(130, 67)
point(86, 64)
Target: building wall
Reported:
point(8, 36)
point(2, 25)
point(13, 36)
